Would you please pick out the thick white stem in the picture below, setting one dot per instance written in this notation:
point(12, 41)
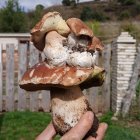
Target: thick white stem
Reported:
point(68, 105)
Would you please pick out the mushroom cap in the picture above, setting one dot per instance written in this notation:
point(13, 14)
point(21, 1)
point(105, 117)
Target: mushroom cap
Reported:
point(95, 45)
point(43, 77)
point(79, 28)
point(52, 21)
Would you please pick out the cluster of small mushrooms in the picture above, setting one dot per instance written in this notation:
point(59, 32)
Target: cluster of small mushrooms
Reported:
point(70, 48)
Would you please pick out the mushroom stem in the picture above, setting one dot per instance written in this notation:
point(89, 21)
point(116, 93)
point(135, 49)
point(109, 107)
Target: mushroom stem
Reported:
point(68, 105)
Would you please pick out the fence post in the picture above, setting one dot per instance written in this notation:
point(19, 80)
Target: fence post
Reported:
point(33, 59)
point(106, 85)
point(10, 77)
point(45, 100)
point(22, 66)
point(92, 94)
point(44, 96)
point(123, 59)
point(1, 78)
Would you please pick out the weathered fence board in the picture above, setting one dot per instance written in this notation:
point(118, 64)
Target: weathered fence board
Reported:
point(40, 100)
point(106, 85)
point(92, 94)
point(10, 77)
point(22, 66)
point(33, 59)
point(1, 78)
point(45, 100)
point(45, 95)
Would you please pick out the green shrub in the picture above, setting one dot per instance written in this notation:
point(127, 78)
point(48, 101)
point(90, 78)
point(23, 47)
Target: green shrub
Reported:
point(99, 16)
point(138, 88)
point(89, 14)
point(124, 15)
point(66, 2)
point(95, 26)
point(69, 2)
point(134, 112)
point(128, 27)
point(137, 8)
point(127, 2)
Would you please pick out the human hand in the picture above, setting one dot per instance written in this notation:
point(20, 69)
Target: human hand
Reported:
point(78, 132)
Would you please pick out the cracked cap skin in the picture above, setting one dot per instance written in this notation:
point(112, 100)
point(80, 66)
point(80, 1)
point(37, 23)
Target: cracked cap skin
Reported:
point(43, 77)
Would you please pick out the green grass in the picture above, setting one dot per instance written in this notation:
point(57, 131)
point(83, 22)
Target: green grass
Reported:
point(27, 125)
point(22, 125)
point(123, 129)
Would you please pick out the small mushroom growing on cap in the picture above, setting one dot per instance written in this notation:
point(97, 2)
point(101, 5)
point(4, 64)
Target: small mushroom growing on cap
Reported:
point(65, 77)
point(50, 21)
point(83, 43)
point(84, 34)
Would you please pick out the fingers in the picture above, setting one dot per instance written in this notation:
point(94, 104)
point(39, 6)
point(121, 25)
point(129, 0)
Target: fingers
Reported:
point(100, 132)
point(48, 133)
point(80, 130)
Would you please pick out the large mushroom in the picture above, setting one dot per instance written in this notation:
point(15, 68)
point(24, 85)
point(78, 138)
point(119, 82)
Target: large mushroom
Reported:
point(65, 77)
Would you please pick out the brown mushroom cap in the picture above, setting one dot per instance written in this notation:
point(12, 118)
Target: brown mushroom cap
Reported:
point(95, 45)
point(79, 28)
point(43, 77)
point(51, 21)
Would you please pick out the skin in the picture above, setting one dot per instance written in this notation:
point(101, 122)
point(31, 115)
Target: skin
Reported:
point(78, 132)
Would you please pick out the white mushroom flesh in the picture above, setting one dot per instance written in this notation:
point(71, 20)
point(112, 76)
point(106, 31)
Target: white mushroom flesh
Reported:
point(82, 59)
point(78, 55)
point(72, 51)
point(54, 50)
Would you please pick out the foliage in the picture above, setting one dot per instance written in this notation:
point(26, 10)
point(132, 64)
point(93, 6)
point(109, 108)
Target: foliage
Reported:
point(134, 112)
point(138, 89)
point(66, 2)
point(127, 2)
point(95, 26)
point(88, 14)
point(128, 26)
point(69, 2)
point(137, 8)
point(36, 15)
point(99, 16)
point(12, 18)
point(124, 15)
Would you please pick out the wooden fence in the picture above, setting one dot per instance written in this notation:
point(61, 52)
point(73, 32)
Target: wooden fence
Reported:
point(14, 62)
